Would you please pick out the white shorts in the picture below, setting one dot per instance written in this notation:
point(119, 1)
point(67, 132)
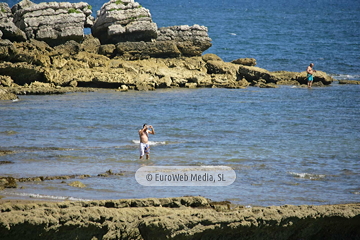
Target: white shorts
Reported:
point(144, 149)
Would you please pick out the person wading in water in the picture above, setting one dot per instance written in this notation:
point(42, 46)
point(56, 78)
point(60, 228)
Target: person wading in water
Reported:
point(144, 140)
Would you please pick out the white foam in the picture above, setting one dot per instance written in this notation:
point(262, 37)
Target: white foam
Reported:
point(41, 196)
point(150, 142)
point(308, 175)
point(345, 77)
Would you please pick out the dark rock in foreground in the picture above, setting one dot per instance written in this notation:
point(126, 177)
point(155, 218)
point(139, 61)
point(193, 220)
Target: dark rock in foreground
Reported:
point(175, 218)
point(349, 82)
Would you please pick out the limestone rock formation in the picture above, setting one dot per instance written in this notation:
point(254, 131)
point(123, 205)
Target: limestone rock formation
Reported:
point(254, 74)
point(245, 61)
point(34, 67)
point(259, 76)
point(6, 95)
point(53, 22)
point(144, 50)
point(190, 40)
point(123, 20)
point(7, 27)
point(175, 218)
point(355, 82)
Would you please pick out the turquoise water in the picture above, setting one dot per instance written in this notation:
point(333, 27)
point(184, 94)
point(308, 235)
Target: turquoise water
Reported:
point(287, 145)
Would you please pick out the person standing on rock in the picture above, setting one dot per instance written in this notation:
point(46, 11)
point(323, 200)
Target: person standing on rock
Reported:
point(144, 140)
point(310, 71)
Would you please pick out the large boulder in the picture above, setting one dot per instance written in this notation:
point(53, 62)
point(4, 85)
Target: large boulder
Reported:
point(259, 76)
point(254, 74)
point(221, 67)
point(124, 20)
point(319, 77)
point(7, 27)
point(53, 22)
point(190, 40)
point(245, 61)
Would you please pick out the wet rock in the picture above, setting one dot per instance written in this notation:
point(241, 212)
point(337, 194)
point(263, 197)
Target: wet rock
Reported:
point(123, 20)
point(349, 82)
point(288, 82)
point(8, 182)
point(6, 152)
point(77, 184)
point(5, 162)
point(268, 85)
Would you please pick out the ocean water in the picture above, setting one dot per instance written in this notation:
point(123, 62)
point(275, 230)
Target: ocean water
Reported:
point(287, 145)
point(279, 34)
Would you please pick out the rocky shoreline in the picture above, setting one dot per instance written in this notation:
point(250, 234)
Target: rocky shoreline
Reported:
point(167, 218)
point(43, 50)
point(175, 218)
point(33, 67)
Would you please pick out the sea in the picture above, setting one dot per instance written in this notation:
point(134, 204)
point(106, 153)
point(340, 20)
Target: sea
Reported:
point(287, 145)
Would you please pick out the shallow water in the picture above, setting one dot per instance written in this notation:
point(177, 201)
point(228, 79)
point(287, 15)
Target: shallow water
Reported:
point(287, 146)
